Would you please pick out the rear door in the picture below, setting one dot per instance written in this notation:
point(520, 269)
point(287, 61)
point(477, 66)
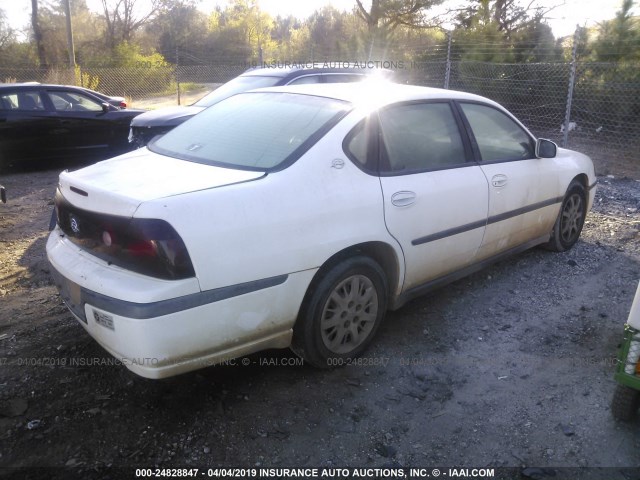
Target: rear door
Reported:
point(435, 198)
point(523, 190)
point(27, 127)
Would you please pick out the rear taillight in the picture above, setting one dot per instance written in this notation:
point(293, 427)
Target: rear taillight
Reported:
point(143, 245)
point(123, 104)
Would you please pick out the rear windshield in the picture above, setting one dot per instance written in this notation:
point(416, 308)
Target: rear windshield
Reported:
point(237, 85)
point(253, 131)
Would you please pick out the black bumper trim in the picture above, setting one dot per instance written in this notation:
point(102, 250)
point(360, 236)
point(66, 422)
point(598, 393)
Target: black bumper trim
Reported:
point(141, 311)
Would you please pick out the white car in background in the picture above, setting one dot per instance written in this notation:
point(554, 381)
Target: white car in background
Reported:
point(296, 216)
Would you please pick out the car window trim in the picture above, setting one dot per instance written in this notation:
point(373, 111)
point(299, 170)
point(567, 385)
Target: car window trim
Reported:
point(319, 76)
point(324, 76)
point(468, 152)
point(472, 137)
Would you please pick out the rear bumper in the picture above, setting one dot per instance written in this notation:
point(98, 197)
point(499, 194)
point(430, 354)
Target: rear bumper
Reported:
point(168, 334)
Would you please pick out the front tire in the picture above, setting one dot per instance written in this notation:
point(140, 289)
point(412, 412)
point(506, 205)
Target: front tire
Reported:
point(342, 313)
point(570, 221)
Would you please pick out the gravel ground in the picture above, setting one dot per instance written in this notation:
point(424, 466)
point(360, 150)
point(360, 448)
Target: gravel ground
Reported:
point(510, 367)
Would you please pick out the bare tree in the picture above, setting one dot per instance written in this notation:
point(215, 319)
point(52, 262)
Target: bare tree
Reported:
point(7, 35)
point(124, 17)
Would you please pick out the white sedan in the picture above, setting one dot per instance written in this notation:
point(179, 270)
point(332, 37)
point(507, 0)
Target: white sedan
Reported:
point(297, 216)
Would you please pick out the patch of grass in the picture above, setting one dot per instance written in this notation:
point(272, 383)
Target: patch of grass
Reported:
point(185, 87)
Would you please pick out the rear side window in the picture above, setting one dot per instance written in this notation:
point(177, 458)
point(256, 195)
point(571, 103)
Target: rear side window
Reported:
point(356, 145)
point(25, 101)
point(499, 137)
point(254, 131)
point(418, 137)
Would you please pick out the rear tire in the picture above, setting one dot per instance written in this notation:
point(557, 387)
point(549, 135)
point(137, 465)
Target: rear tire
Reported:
point(570, 221)
point(626, 401)
point(341, 313)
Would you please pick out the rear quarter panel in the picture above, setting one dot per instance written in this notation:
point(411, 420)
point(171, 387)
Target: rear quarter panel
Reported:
point(285, 222)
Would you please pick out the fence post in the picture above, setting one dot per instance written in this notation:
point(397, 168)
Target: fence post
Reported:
point(178, 72)
point(572, 82)
point(447, 72)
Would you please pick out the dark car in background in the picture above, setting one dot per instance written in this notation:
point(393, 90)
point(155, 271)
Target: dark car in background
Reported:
point(158, 122)
point(119, 102)
point(41, 123)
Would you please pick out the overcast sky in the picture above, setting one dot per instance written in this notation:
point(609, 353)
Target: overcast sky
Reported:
point(563, 19)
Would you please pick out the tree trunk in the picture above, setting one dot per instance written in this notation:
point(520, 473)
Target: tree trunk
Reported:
point(37, 34)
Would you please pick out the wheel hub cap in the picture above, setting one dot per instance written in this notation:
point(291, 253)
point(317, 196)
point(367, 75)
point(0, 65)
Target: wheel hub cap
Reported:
point(571, 218)
point(349, 314)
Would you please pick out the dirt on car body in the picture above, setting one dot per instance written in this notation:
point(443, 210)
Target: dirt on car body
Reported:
point(510, 367)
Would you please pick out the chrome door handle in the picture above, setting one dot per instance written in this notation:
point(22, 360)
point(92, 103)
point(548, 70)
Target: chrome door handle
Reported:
point(499, 180)
point(403, 199)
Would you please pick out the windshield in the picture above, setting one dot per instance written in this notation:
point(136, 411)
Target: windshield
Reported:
point(253, 131)
point(237, 85)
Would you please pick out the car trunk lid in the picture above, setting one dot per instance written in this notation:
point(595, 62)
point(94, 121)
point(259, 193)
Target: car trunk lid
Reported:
point(118, 186)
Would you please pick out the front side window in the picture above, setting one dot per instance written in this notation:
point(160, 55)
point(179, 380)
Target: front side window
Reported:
point(418, 137)
point(74, 102)
point(498, 136)
point(253, 131)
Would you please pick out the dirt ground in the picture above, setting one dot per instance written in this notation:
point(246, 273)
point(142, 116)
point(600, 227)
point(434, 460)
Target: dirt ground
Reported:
point(511, 367)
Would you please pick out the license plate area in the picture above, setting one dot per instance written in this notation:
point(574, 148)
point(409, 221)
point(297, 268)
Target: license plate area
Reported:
point(71, 294)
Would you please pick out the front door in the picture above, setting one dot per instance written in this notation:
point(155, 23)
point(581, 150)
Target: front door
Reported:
point(435, 199)
point(523, 190)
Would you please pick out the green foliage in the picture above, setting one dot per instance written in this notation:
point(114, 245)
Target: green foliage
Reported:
point(169, 32)
point(85, 79)
point(502, 31)
point(618, 40)
point(130, 55)
point(133, 72)
point(245, 30)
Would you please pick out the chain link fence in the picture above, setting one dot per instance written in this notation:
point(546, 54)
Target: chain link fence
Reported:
point(596, 111)
point(603, 120)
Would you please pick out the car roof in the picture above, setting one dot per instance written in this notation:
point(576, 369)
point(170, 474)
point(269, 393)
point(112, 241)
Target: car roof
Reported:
point(377, 94)
point(38, 86)
point(292, 70)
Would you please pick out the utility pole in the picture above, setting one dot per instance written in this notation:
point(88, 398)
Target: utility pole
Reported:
point(178, 71)
point(70, 47)
point(447, 73)
point(572, 82)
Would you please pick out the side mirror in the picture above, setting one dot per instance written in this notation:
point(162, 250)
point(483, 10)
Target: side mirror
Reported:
point(105, 107)
point(546, 148)
point(3, 194)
